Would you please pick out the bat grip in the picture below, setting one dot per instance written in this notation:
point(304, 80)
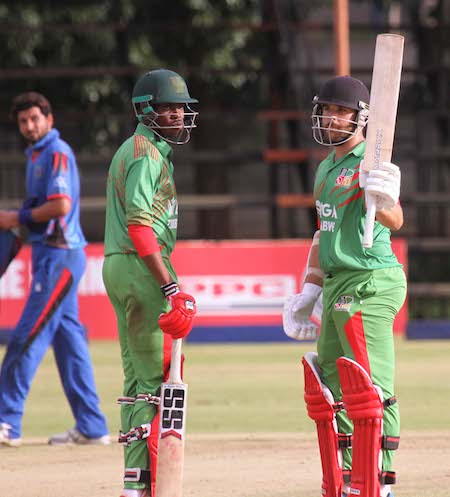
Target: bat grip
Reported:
point(175, 361)
point(371, 204)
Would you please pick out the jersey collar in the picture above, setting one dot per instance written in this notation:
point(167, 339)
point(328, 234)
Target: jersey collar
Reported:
point(161, 145)
point(53, 134)
point(357, 152)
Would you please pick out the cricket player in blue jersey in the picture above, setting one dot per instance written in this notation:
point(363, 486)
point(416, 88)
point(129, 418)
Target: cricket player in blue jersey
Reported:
point(51, 212)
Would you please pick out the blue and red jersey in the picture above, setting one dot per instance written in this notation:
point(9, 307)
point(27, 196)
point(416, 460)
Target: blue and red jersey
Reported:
point(52, 172)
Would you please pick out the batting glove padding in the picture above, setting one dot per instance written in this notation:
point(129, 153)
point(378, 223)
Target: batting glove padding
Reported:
point(179, 320)
point(297, 312)
point(383, 183)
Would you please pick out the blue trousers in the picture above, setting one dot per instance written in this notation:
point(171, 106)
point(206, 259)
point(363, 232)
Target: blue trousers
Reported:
point(50, 317)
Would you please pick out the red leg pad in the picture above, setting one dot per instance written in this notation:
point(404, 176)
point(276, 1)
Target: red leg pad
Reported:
point(152, 445)
point(363, 402)
point(319, 403)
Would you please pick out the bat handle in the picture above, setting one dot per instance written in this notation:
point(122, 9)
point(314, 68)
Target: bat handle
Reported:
point(175, 361)
point(371, 204)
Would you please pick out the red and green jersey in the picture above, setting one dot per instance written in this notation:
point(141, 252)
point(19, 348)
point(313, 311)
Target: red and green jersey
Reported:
point(141, 190)
point(342, 212)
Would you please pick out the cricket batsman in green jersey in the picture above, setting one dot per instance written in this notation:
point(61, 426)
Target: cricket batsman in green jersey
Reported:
point(140, 234)
point(349, 382)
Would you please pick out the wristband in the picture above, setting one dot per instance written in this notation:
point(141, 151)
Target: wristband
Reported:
point(170, 289)
point(25, 216)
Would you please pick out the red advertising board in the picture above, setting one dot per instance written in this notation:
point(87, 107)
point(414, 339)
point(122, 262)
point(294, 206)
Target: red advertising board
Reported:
point(235, 283)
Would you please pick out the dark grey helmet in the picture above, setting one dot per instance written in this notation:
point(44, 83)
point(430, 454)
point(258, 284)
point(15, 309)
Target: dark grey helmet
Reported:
point(344, 91)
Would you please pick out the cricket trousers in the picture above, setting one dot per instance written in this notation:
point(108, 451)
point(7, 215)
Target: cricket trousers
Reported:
point(359, 308)
point(145, 351)
point(50, 317)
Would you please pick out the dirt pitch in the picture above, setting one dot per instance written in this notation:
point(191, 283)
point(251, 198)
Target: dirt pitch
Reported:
point(241, 465)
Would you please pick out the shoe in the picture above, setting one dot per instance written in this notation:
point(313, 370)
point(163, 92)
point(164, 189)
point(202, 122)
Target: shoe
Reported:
point(73, 436)
point(5, 439)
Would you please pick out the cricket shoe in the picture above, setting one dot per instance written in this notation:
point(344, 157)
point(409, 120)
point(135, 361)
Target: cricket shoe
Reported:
point(5, 438)
point(73, 436)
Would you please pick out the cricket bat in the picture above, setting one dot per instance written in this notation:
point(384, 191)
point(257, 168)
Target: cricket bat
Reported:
point(384, 93)
point(172, 422)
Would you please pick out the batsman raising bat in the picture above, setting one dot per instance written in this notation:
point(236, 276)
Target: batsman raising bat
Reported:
point(349, 382)
point(140, 233)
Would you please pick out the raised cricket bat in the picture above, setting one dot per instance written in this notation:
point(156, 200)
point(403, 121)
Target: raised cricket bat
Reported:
point(387, 68)
point(169, 473)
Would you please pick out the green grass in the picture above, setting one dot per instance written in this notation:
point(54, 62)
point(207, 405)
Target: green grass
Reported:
point(247, 388)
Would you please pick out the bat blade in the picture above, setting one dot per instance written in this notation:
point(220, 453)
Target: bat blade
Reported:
point(169, 473)
point(385, 88)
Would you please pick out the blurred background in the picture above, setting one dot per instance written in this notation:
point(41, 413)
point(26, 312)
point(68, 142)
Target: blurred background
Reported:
point(254, 66)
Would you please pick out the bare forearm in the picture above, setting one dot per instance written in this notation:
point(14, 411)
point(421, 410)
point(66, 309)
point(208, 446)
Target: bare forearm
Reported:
point(313, 263)
point(157, 268)
point(392, 219)
point(51, 210)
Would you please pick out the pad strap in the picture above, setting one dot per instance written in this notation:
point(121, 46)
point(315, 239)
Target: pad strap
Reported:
point(388, 478)
point(142, 397)
point(390, 402)
point(135, 434)
point(388, 443)
point(137, 475)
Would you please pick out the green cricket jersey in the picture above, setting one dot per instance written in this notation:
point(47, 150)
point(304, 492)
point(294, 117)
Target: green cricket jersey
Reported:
point(141, 190)
point(342, 212)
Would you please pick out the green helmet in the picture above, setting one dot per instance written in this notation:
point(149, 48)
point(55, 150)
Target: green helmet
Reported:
point(163, 86)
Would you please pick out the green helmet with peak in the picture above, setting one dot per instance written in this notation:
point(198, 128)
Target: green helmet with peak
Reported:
point(163, 86)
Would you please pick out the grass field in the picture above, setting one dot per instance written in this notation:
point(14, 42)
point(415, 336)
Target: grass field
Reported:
point(245, 410)
point(249, 388)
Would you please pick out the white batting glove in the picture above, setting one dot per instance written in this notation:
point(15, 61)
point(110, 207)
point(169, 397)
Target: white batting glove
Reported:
point(297, 313)
point(383, 183)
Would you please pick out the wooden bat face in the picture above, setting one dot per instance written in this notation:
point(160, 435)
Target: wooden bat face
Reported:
point(173, 410)
point(172, 423)
point(383, 100)
point(384, 94)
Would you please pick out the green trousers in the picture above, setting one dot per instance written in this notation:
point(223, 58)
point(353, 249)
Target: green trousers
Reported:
point(138, 301)
point(359, 308)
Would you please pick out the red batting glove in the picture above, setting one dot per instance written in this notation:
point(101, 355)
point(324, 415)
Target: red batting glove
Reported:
point(179, 320)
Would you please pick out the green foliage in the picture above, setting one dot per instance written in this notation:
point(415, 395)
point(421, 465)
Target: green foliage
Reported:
point(189, 36)
point(248, 388)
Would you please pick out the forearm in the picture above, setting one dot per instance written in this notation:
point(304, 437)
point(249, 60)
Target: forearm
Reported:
point(157, 268)
point(51, 209)
point(313, 272)
point(147, 247)
point(392, 219)
point(42, 214)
